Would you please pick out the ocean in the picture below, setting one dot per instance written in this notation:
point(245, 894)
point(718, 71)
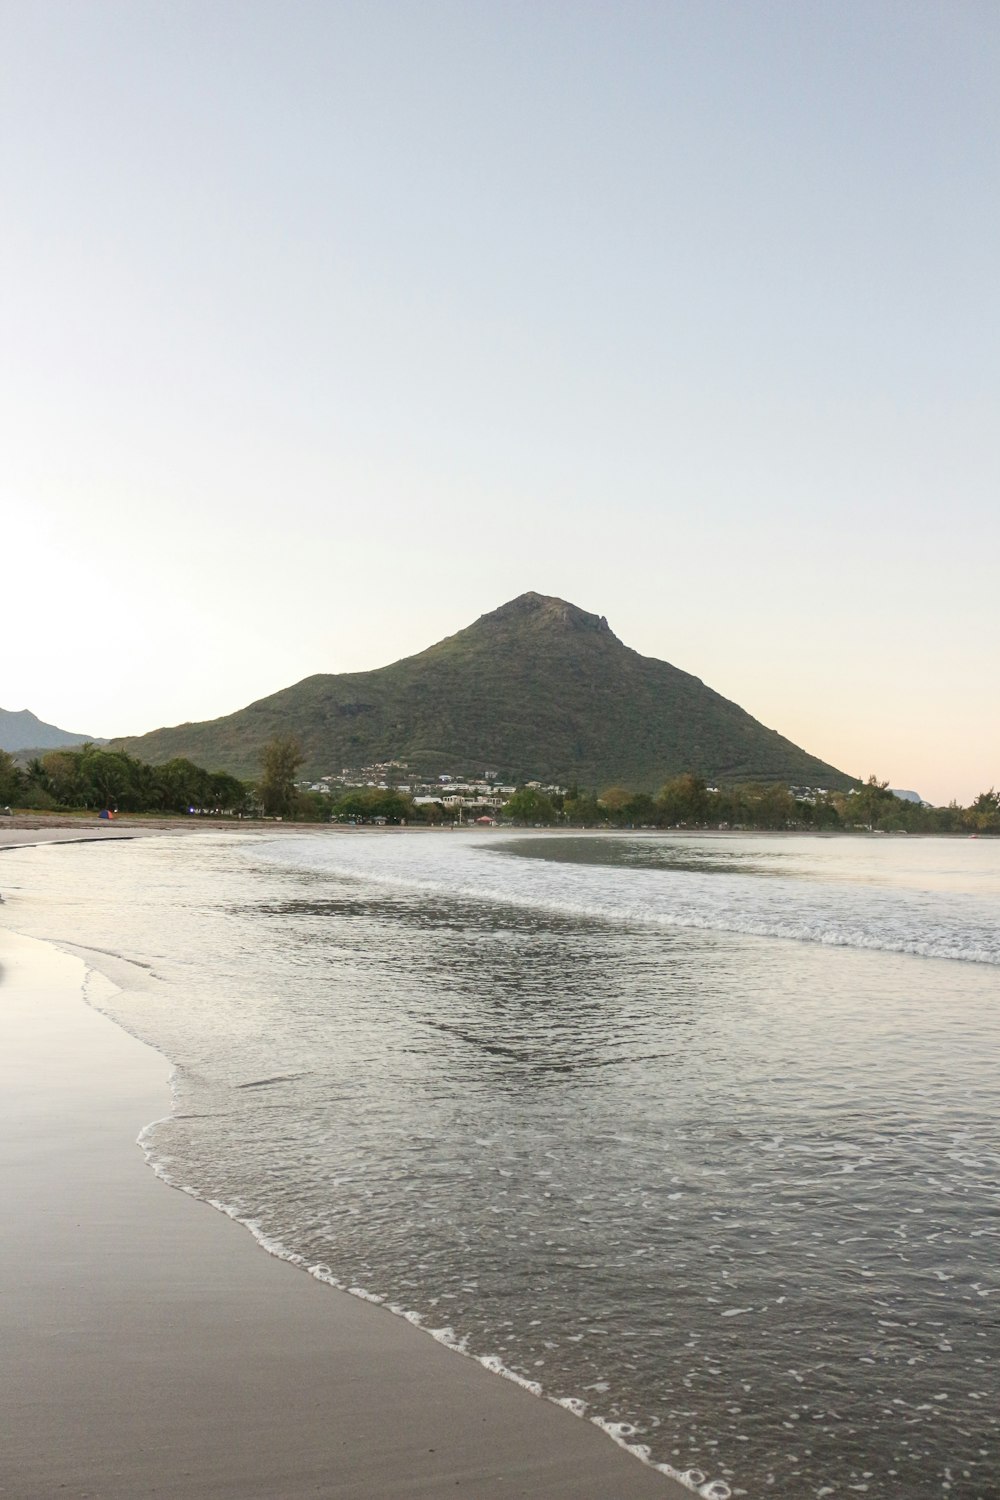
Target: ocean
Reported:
point(696, 1134)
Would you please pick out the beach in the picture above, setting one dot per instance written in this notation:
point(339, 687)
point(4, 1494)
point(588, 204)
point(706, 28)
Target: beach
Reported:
point(695, 1137)
point(152, 1347)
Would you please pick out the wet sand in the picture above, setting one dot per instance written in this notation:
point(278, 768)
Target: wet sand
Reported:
point(25, 829)
point(151, 1347)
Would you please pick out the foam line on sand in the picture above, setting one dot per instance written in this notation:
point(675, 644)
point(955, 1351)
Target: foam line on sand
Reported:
point(151, 1348)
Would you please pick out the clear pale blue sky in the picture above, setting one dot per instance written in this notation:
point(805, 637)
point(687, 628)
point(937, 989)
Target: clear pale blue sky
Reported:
point(328, 327)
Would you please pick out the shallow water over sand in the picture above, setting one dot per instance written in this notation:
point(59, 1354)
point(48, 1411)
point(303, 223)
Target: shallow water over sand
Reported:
point(698, 1132)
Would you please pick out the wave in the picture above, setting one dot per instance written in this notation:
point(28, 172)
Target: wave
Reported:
point(917, 924)
point(98, 991)
point(619, 1432)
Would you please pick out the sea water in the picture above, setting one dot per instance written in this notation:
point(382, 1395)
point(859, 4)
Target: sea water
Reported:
point(696, 1134)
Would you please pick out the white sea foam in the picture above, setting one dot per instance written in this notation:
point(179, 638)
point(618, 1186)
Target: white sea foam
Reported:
point(619, 1432)
point(392, 984)
point(886, 918)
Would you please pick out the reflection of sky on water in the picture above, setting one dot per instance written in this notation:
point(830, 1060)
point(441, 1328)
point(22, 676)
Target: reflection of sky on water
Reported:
point(737, 1192)
point(911, 863)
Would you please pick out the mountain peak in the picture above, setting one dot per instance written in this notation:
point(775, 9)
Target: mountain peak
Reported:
point(539, 689)
point(22, 730)
point(545, 612)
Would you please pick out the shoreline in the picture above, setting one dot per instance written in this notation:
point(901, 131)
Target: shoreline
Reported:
point(154, 1349)
point(85, 828)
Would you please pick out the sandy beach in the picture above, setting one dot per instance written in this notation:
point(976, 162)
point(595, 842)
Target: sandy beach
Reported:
point(153, 1348)
point(24, 829)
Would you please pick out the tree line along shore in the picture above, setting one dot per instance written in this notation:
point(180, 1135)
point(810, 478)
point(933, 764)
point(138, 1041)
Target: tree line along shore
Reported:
point(92, 779)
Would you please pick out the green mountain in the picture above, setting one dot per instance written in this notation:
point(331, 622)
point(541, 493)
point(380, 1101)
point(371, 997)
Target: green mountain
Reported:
point(536, 690)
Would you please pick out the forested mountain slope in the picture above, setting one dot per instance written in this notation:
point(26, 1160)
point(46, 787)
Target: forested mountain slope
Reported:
point(537, 689)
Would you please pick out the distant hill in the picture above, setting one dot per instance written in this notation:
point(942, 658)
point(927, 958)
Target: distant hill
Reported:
point(24, 731)
point(538, 689)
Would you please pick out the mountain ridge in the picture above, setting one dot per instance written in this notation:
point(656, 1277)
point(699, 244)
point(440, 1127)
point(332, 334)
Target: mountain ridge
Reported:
point(535, 689)
point(22, 730)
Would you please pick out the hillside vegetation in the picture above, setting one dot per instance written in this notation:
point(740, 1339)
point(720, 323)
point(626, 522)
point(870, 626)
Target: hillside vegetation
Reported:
point(83, 780)
point(538, 689)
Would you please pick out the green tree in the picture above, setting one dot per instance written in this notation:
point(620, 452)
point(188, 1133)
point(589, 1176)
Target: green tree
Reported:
point(683, 799)
point(625, 808)
point(311, 807)
point(228, 795)
point(59, 774)
point(983, 816)
point(11, 779)
point(871, 806)
point(276, 789)
point(614, 802)
point(365, 803)
point(579, 807)
point(529, 805)
point(769, 806)
point(820, 814)
point(180, 785)
point(430, 812)
point(110, 778)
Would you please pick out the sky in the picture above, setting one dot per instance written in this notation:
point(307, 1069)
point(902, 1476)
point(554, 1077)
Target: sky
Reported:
point(328, 327)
